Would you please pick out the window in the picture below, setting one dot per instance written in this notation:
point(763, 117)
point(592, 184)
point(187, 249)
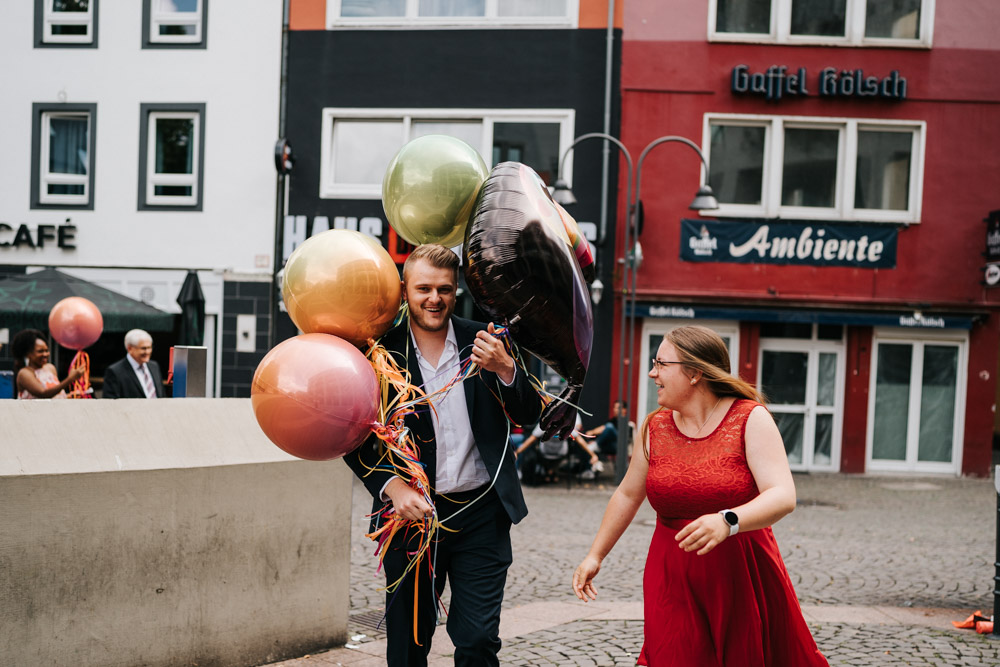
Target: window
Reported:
point(816, 168)
point(172, 156)
point(174, 24)
point(62, 155)
point(435, 13)
point(836, 22)
point(66, 23)
point(358, 144)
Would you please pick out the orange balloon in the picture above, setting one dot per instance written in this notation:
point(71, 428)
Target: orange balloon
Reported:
point(343, 283)
point(315, 396)
point(75, 323)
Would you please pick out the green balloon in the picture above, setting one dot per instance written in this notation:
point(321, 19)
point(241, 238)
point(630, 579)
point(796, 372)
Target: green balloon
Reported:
point(430, 187)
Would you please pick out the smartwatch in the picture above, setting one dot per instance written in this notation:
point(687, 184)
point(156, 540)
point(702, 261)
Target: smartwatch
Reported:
point(732, 520)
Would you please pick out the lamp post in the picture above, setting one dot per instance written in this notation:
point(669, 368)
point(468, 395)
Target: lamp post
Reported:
point(704, 200)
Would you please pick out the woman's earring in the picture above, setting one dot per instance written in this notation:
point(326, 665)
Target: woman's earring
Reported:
point(693, 380)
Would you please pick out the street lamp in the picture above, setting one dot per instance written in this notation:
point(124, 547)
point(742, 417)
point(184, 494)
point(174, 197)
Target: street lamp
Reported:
point(703, 200)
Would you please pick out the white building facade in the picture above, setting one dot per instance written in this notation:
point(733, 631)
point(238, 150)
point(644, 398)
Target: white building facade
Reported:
point(139, 140)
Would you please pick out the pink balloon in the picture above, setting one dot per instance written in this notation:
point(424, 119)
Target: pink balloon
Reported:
point(75, 323)
point(315, 396)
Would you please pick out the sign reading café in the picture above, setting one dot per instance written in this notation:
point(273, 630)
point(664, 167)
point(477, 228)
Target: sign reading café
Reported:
point(779, 81)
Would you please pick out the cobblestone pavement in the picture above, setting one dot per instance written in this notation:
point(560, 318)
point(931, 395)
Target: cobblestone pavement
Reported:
point(853, 541)
point(617, 642)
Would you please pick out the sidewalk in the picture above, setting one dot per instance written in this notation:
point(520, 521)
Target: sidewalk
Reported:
point(881, 565)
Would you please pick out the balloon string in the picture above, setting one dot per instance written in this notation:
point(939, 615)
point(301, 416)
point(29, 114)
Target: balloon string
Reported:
point(81, 386)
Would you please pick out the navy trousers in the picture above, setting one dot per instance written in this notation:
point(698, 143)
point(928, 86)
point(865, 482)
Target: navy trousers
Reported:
point(474, 560)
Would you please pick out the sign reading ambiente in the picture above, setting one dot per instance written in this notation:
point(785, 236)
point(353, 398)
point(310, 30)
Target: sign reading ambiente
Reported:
point(862, 246)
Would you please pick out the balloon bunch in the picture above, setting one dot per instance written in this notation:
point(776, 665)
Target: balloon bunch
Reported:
point(76, 323)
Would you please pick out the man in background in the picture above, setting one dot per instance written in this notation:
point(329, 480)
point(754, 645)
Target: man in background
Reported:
point(135, 376)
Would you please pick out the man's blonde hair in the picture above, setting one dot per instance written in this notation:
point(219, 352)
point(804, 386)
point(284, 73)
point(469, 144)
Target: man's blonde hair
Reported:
point(436, 255)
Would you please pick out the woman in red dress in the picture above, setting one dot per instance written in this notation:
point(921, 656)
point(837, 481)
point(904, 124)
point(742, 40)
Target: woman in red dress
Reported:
point(716, 592)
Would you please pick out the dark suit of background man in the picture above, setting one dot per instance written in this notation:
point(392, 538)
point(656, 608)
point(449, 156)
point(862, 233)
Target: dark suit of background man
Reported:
point(463, 447)
point(135, 376)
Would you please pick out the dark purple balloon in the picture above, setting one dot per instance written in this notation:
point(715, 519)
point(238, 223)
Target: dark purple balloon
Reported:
point(523, 274)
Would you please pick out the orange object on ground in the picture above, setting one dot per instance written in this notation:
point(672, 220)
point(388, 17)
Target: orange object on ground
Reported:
point(973, 621)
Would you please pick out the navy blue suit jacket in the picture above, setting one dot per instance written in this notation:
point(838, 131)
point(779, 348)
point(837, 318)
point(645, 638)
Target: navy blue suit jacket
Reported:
point(489, 423)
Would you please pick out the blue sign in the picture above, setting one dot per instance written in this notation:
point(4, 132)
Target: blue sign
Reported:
point(907, 320)
point(773, 242)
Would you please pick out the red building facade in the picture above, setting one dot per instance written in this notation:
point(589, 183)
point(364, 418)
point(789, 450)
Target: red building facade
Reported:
point(853, 150)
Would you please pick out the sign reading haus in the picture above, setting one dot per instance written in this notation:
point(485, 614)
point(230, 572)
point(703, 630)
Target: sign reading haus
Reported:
point(811, 244)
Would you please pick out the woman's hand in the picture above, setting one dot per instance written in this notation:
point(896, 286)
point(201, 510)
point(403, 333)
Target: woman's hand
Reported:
point(583, 578)
point(704, 533)
point(75, 373)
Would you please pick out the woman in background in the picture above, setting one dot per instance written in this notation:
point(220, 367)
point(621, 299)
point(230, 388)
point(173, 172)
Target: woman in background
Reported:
point(34, 376)
point(715, 589)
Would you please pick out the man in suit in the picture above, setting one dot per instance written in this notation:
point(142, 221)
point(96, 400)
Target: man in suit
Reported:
point(463, 447)
point(135, 376)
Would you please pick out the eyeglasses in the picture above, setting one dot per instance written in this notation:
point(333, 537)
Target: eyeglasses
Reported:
point(657, 364)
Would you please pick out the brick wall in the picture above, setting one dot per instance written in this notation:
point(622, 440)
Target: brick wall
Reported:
point(242, 298)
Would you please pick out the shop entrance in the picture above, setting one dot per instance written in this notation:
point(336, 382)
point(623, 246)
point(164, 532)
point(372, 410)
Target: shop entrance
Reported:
point(916, 402)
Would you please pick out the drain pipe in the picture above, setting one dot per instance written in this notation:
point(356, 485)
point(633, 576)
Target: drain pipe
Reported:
point(606, 156)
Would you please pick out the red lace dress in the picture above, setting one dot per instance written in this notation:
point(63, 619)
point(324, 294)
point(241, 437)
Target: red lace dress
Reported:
point(734, 606)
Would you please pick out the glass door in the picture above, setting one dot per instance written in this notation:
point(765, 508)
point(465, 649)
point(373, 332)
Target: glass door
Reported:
point(916, 405)
point(803, 384)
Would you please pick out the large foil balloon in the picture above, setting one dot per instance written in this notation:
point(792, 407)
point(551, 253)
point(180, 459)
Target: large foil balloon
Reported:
point(430, 187)
point(523, 272)
point(315, 396)
point(343, 283)
point(75, 323)
point(579, 243)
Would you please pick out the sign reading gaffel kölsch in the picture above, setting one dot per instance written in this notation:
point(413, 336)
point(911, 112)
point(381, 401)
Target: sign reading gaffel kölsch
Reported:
point(805, 243)
point(779, 81)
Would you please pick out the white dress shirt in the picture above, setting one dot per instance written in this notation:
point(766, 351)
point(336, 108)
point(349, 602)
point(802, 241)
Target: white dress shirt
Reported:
point(137, 368)
point(459, 465)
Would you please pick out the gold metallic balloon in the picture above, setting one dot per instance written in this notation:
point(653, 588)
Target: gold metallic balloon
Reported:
point(430, 187)
point(343, 283)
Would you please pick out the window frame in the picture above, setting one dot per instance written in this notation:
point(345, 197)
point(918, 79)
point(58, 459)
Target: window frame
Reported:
point(922, 337)
point(151, 39)
point(330, 189)
point(854, 28)
point(148, 180)
point(490, 19)
point(45, 18)
point(39, 156)
point(847, 155)
point(810, 408)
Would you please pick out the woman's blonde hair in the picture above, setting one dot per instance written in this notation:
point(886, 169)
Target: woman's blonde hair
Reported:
point(701, 349)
